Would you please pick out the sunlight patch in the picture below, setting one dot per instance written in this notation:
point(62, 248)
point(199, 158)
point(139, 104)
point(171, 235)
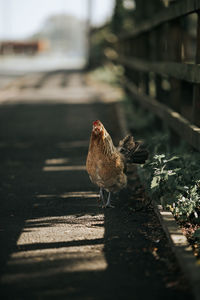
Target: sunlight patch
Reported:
point(56, 245)
point(56, 161)
point(56, 266)
point(63, 168)
point(81, 194)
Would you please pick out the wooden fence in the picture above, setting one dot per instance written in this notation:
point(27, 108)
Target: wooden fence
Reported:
point(161, 59)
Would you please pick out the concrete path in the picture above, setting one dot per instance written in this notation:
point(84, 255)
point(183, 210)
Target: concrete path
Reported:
point(56, 242)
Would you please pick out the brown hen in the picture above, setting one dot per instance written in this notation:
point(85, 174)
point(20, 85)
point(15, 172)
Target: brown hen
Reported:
point(106, 164)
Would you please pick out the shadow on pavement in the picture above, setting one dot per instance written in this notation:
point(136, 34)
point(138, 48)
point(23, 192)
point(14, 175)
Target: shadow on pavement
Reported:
point(56, 243)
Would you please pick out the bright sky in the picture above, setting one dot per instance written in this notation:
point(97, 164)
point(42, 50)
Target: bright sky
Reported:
point(20, 18)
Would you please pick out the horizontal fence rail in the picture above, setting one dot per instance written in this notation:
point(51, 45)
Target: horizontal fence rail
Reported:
point(183, 8)
point(183, 127)
point(187, 72)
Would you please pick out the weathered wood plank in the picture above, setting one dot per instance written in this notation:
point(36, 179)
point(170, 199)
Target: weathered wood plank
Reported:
point(196, 89)
point(187, 72)
point(175, 11)
point(183, 127)
point(174, 42)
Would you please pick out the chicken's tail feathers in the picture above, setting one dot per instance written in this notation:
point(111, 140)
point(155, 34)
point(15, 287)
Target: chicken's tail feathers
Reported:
point(133, 151)
point(127, 145)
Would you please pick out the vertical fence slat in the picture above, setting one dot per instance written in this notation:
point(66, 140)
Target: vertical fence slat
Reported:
point(196, 90)
point(174, 52)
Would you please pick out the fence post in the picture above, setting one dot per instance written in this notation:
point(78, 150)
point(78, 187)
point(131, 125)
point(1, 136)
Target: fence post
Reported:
point(196, 89)
point(174, 48)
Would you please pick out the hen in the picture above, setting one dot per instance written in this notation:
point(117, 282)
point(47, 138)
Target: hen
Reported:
point(107, 164)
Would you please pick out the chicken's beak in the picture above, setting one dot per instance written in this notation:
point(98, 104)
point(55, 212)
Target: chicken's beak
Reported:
point(96, 129)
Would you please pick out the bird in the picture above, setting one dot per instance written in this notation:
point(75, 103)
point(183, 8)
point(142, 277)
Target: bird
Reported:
point(107, 165)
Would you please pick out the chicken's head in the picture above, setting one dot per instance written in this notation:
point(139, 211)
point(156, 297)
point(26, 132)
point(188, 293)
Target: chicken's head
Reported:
point(97, 127)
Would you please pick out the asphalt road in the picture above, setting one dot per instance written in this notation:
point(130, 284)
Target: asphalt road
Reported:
point(56, 242)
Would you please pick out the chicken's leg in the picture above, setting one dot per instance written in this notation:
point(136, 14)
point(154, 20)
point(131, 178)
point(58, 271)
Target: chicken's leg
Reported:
point(101, 196)
point(108, 203)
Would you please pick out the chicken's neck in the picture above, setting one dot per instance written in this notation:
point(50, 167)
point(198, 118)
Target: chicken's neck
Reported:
point(108, 146)
point(104, 144)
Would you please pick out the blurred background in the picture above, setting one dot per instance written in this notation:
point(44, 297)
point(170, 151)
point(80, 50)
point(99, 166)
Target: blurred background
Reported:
point(47, 35)
point(42, 35)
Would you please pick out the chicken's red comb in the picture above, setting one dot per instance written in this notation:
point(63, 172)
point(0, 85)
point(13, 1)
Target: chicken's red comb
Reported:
point(95, 123)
